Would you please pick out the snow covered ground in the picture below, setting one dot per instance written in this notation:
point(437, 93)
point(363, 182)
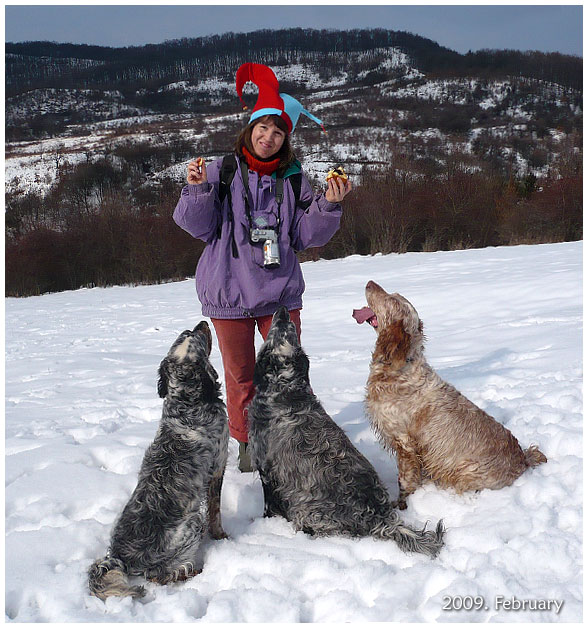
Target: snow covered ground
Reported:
point(504, 326)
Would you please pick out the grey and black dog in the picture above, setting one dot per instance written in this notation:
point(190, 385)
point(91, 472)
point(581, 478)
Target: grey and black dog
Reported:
point(310, 471)
point(177, 498)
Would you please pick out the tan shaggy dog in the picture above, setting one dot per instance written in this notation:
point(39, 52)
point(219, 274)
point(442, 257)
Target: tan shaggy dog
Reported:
point(436, 432)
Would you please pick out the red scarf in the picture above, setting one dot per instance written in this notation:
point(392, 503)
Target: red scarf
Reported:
point(262, 167)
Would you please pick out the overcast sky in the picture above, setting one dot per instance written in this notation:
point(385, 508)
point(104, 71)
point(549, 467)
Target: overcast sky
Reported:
point(549, 28)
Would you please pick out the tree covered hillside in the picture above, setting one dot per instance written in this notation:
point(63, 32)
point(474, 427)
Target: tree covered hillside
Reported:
point(445, 150)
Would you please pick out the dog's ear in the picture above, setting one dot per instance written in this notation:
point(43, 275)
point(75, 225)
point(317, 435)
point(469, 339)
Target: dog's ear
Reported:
point(263, 364)
point(302, 364)
point(393, 345)
point(209, 387)
point(162, 383)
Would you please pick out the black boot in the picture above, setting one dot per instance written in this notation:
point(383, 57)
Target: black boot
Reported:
point(244, 458)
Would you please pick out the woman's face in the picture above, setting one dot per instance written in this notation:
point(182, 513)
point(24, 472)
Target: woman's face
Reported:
point(267, 139)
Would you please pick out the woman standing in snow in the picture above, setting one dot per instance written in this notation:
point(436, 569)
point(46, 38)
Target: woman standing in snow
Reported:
point(253, 229)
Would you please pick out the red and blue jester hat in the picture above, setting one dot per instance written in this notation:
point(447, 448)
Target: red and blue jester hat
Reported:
point(269, 99)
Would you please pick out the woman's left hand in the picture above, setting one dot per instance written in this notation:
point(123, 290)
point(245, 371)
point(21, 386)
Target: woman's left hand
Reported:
point(337, 189)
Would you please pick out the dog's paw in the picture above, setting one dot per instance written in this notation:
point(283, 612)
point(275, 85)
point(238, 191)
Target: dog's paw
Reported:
point(185, 574)
point(160, 579)
point(219, 535)
point(181, 574)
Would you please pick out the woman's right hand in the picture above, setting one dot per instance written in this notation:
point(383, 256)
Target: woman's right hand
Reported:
point(197, 172)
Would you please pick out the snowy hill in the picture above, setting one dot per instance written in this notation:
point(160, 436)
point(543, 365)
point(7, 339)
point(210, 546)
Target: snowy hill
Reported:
point(381, 94)
point(503, 325)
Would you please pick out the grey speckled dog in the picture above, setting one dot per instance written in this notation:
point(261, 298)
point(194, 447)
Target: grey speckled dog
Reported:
point(177, 497)
point(310, 471)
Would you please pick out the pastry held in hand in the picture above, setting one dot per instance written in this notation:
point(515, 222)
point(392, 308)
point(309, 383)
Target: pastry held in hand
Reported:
point(337, 173)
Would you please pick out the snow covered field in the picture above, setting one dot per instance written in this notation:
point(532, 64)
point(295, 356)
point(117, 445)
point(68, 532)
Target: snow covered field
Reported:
point(504, 326)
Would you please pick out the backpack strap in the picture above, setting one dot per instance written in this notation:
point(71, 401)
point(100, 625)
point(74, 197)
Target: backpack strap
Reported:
point(279, 190)
point(296, 184)
point(227, 173)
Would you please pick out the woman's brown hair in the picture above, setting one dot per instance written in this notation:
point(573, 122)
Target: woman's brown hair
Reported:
point(286, 154)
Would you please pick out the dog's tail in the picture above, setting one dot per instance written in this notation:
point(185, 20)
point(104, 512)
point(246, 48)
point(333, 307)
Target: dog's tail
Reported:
point(423, 541)
point(108, 577)
point(533, 456)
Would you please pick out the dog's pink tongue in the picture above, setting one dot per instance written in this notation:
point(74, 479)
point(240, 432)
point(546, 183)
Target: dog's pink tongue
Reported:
point(365, 314)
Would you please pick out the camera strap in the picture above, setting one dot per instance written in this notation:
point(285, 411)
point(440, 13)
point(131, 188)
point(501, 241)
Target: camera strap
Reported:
point(245, 177)
point(279, 196)
point(279, 199)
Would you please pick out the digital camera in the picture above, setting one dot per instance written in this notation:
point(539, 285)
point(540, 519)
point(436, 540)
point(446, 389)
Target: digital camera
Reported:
point(271, 251)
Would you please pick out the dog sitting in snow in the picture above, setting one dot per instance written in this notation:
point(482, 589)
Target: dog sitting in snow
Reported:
point(177, 498)
point(435, 431)
point(311, 473)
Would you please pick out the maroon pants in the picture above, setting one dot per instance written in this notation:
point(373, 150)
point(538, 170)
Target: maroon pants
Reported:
point(236, 341)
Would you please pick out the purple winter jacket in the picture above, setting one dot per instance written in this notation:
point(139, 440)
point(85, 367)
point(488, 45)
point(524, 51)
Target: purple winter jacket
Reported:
point(241, 287)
